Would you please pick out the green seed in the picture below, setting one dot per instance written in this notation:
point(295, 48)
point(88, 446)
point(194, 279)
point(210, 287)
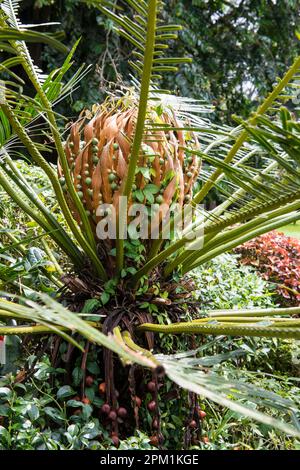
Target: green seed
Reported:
point(78, 177)
point(95, 160)
point(88, 181)
point(161, 161)
point(159, 199)
point(114, 186)
point(86, 165)
point(78, 186)
point(187, 198)
point(189, 174)
point(111, 177)
point(134, 187)
point(90, 192)
point(62, 181)
point(71, 145)
point(88, 213)
point(95, 141)
point(80, 194)
point(86, 173)
point(116, 146)
point(190, 159)
point(95, 149)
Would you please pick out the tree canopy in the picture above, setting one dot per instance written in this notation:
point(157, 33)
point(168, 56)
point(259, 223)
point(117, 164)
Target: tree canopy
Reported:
point(239, 47)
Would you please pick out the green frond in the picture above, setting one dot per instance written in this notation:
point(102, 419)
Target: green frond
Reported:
point(49, 313)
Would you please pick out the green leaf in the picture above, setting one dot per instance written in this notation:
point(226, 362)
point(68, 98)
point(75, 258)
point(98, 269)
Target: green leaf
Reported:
point(4, 435)
point(55, 414)
point(33, 412)
point(64, 392)
point(105, 296)
point(93, 368)
point(90, 305)
point(139, 195)
point(5, 393)
point(77, 375)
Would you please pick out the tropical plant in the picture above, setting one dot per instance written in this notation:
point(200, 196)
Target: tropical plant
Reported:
point(145, 145)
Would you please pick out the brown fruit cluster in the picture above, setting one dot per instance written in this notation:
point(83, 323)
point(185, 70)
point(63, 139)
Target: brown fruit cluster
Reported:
point(98, 153)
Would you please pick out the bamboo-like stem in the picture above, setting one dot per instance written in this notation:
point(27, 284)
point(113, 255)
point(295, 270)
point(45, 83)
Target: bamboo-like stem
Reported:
point(178, 244)
point(198, 198)
point(140, 125)
point(263, 228)
point(37, 329)
point(255, 312)
point(69, 247)
point(240, 192)
point(189, 257)
point(52, 257)
point(39, 159)
point(135, 347)
point(234, 329)
point(89, 246)
point(34, 215)
point(47, 108)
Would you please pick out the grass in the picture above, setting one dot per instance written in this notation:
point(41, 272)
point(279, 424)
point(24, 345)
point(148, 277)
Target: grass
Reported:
point(292, 230)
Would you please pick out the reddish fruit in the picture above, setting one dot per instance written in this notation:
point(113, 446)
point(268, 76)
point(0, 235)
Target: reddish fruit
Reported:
point(193, 424)
point(137, 401)
point(115, 441)
point(155, 423)
point(77, 412)
point(86, 401)
point(151, 386)
point(154, 441)
point(201, 414)
point(102, 388)
point(205, 440)
point(89, 380)
point(122, 412)
point(151, 405)
point(105, 408)
point(112, 415)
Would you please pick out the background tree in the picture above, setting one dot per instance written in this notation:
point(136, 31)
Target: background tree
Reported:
point(239, 47)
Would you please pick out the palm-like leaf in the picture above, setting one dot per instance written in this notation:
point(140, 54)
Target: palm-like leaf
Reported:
point(255, 200)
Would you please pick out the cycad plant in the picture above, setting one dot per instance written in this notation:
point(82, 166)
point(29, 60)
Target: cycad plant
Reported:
point(144, 145)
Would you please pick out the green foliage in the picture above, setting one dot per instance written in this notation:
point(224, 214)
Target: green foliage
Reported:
point(223, 284)
point(256, 201)
point(228, 43)
point(39, 416)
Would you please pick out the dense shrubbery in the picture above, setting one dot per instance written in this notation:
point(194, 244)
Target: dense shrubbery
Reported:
point(223, 284)
point(277, 258)
point(41, 412)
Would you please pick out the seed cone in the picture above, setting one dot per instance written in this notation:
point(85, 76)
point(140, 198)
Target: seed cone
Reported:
point(98, 153)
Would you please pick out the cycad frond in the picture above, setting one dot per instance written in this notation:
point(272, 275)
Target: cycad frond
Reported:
point(133, 29)
point(10, 17)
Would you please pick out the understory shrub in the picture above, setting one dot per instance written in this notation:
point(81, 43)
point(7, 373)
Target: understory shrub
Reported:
point(277, 258)
point(223, 284)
